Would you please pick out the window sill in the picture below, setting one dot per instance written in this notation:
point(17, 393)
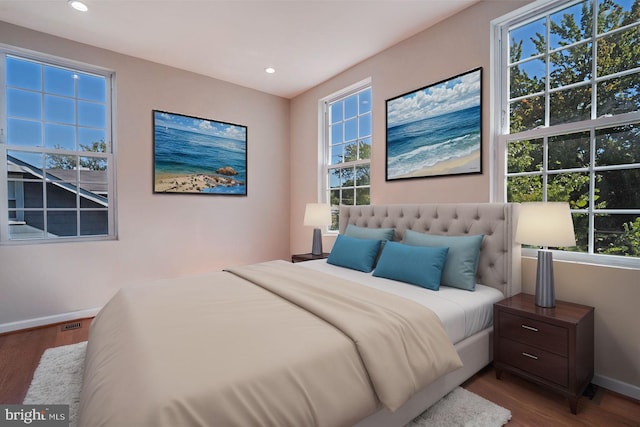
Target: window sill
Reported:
point(612, 261)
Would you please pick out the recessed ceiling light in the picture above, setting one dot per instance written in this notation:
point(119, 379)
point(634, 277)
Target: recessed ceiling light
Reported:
point(78, 5)
point(269, 70)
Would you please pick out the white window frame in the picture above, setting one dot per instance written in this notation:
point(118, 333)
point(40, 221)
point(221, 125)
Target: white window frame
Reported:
point(324, 140)
point(500, 136)
point(110, 155)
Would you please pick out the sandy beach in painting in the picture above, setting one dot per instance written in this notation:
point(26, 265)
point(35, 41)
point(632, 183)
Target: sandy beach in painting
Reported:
point(467, 164)
point(191, 183)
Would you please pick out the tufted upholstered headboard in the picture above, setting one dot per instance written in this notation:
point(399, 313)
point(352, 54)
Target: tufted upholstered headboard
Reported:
point(499, 264)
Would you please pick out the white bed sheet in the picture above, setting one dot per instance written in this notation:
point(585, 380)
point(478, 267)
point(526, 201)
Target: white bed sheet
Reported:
point(463, 313)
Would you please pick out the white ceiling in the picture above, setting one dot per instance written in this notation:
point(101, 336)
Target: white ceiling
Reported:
point(306, 41)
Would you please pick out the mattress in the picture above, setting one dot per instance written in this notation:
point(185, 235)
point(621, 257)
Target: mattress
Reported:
point(463, 313)
point(264, 344)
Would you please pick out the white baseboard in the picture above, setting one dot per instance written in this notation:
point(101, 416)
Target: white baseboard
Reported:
point(48, 320)
point(618, 386)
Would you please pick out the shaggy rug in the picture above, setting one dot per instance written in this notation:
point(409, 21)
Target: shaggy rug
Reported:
point(58, 379)
point(462, 408)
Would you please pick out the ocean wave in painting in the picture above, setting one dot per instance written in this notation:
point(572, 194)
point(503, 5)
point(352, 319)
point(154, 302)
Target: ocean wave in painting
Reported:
point(421, 144)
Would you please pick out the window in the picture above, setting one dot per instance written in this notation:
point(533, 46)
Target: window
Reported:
point(56, 153)
point(346, 149)
point(569, 122)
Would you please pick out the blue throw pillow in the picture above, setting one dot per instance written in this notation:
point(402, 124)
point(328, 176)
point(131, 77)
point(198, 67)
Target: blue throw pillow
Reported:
point(418, 265)
point(356, 254)
point(462, 261)
point(369, 233)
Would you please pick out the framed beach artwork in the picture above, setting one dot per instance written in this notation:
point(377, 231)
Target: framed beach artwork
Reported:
point(198, 156)
point(436, 130)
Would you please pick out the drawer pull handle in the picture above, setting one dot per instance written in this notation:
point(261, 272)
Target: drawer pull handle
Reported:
point(530, 328)
point(530, 356)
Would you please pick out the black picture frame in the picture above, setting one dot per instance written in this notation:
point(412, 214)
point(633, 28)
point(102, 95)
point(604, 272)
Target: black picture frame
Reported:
point(194, 155)
point(436, 130)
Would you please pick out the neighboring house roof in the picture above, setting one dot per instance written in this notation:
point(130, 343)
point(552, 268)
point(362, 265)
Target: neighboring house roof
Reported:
point(90, 180)
point(89, 190)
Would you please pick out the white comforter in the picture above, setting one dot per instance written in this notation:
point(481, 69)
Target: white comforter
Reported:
point(268, 344)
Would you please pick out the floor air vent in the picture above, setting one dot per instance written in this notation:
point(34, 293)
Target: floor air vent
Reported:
point(70, 326)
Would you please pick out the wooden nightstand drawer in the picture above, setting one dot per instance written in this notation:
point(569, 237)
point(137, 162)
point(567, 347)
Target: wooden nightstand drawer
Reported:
point(550, 346)
point(538, 334)
point(535, 361)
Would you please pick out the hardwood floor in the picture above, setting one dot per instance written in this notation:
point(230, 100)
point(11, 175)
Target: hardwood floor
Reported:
point(21, 351)
point(530, 405)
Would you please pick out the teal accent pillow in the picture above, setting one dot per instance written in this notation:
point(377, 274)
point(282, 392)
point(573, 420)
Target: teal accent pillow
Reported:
point(462, 261)
point(353, 253)
point(369, 233)
point(418, 265)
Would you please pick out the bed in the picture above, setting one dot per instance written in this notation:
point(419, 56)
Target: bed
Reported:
point(299, 344)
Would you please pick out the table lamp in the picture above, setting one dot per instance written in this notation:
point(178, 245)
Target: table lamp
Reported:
point(546, 224)
point(317, 215)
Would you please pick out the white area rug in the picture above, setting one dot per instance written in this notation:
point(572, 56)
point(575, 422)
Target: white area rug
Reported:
point(462, 408)
point(58, 379)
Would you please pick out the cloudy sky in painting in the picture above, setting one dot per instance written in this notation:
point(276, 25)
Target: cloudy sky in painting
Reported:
point(198, 125)
point(452, 95)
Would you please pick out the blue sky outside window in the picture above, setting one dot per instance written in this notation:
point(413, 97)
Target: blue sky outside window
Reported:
point(24, 132)
point(336, 112)
point(351, 107)
point(91, 88)
point(365, 101)
point(58, 109)
point(24, 74)
point(59, 81)
point(60, 136)
point(350, 129)
point(24, 104)
point(91, 114)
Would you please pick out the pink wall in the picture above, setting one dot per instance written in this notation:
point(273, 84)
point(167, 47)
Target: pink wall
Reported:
point(159, 235)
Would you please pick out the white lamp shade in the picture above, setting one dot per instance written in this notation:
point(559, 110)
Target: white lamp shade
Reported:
point(545, 224)
point(317, 214)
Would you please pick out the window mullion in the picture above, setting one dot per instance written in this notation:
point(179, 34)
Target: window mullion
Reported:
point(4, 196)
point(545, 168)
point(592, 191)
point(547, 80)
point(594, 64)
point(4, 173)
point(78, 184)
point(45, 208)
point(505, 83)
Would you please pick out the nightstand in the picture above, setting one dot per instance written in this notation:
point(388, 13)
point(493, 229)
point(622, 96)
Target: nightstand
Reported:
point(552, 347)
point(308, 257)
